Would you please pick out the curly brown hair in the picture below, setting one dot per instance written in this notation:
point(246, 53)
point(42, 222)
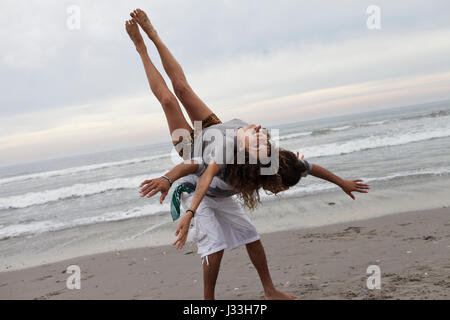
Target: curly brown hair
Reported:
point(247, 179)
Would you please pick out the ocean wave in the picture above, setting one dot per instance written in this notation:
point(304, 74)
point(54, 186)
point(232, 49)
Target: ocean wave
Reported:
point(74, 191)
point(412, 174)
point(301, 190)
point(372, 142)
point(374, 123)
point(324, 131)
point(74, 170)
point(18, 230)
point(330, 149)
point(341, 128)
point(321, 131)
point(37, 227)
point(434, 114)
point(329, 130)
point(294, 135)
point(94, 167)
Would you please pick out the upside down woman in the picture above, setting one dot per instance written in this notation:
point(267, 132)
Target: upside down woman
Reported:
point(220, 220)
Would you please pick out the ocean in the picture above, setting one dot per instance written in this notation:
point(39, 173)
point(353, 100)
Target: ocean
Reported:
point(61, 208)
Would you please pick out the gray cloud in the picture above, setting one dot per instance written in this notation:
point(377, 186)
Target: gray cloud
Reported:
point(43, 64)
point(234, 52)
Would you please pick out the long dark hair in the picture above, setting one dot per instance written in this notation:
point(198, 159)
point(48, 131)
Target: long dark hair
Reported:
point(290, 168)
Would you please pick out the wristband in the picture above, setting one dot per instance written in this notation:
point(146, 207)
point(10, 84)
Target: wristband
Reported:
point(189, 210)
point(168, 179)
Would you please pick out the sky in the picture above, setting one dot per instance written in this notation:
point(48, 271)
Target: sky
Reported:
point(68, 91)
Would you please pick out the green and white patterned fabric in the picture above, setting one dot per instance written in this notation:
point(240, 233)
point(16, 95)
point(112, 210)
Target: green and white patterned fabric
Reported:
point(175, 203)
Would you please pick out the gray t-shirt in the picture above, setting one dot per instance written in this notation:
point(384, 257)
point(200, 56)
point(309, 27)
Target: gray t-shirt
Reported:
point(217, 189)
point(216, 143)
point(308, 167)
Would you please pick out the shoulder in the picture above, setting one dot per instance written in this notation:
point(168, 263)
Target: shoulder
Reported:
point(308, 167)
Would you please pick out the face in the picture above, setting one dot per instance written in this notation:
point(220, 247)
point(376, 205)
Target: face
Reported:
point(256, 141)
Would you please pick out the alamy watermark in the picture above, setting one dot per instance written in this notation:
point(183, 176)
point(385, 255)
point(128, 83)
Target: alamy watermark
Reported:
point(374, 280)
point(74, 280)
point(73, 21)
point(374, 20)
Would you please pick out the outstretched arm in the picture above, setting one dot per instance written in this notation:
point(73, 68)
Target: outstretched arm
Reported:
point(150, 187)
point(200, 191)
point(348, 186)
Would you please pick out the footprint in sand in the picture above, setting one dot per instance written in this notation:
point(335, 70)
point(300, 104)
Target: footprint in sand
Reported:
point(43, 278)
point(50, 294)
point(404, 224)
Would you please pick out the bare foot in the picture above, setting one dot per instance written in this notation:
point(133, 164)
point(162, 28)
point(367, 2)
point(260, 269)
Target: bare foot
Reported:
point(278, 295)
point(141, 17)
point(135, 35)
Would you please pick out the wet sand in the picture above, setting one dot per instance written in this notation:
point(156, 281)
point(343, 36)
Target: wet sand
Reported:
point(412, 250)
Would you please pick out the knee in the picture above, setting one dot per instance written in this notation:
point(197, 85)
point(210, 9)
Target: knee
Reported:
point(167, 100)
point(180, 87)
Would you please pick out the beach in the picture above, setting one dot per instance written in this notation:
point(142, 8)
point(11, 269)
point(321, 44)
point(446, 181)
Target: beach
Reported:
point(352, 103)
point(86, 210)
point(68, 207)
point(330, 262)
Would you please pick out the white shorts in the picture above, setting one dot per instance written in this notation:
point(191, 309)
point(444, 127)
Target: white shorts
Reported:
point(219, 223)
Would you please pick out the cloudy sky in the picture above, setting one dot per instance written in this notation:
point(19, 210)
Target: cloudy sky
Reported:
point(72, 91)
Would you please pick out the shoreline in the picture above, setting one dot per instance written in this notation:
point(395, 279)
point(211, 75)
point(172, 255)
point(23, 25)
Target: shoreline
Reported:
point(328, 262)
point(280, 214)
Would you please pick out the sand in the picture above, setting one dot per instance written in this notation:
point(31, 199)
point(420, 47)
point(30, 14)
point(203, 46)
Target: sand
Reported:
point(412, 250)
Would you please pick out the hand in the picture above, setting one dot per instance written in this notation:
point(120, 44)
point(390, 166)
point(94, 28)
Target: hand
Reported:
point(153, 186)
point(350, 186)
point(182, 230)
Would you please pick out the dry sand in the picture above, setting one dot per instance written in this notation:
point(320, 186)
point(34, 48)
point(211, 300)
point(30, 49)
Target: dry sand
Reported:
point(412, 250)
